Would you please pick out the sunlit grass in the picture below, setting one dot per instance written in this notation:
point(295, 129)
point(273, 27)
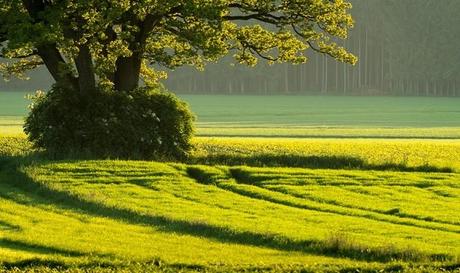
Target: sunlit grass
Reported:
point(11, 126)
point(132, 211)
point(165, 199)
point(422, 155)
point(386, 193)
point(377, 213)
point(378, 154)
point(296, 131)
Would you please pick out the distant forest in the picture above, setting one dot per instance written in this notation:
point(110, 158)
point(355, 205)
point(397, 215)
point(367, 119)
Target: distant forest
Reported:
point(405, 48)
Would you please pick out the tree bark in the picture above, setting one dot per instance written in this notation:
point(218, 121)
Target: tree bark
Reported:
point(55, 65)
point(128, 69)
point(128, 73)
point(85, 68)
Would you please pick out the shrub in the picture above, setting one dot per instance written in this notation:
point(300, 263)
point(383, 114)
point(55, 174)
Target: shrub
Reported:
point(142, 124)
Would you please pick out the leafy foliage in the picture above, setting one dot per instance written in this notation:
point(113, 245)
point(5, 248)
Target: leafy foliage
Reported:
point(143, 123)
point(170, 33)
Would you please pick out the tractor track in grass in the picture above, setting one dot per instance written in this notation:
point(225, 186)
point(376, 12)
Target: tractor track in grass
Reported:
point(8, 226)
point(359, 212)
point(67, 200)
point(260, 193)
point(372, 216)
point(39, 187)
point(265, 181)
point(340, 204)
point(140, 182)
point(38, 248)
point(248, 194)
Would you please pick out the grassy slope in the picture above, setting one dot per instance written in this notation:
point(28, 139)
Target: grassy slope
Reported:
point(145, 211)
point(13, 107)
point(339, 117)
point(204, 216)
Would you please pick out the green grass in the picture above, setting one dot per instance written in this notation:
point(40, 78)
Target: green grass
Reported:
point(377, 154)
point(13, 104)
point(151, 216)
point(319, 187)
point(11, 126)
point(287, 131)
point(141, 211)
point(299, 116)
point(327, 111)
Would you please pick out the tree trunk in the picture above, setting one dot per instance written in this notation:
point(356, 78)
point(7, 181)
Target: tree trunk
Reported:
point(345, 82)
point(128, 72)
point(325, 76)
point(55, 64)
point(286, 79)
point(336, 77)
point(85, 68)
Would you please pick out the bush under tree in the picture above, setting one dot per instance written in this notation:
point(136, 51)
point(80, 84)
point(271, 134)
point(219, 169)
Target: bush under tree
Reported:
point(144, 123)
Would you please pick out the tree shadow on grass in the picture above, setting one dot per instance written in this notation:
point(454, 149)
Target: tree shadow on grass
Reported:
point(41, 194)
point(314, 162)
point(36, 248)
point(8, 226)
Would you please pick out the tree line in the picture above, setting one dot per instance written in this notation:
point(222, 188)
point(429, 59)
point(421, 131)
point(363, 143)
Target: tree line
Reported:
point(407, 48)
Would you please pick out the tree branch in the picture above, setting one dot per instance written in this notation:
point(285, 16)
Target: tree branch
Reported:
point(55, 63)
point(49, 53)
point(313, 47)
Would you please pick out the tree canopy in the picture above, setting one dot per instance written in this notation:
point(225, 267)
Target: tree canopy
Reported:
point(86, 43)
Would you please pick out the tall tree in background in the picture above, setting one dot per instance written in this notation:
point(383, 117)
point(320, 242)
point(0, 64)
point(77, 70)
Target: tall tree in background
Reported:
point(424, 58)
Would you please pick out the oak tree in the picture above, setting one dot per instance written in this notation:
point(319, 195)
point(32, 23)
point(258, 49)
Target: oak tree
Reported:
point(114, 43)
point(97, 51)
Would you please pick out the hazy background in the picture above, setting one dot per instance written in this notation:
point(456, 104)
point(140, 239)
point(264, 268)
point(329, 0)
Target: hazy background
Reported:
point(405, 48)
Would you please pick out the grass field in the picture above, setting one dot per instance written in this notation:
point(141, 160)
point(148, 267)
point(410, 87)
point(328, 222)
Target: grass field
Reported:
point(319, 117)
point(313, 214)
point(380, 154)
point(347, 196)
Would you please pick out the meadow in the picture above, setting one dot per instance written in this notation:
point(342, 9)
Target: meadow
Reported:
point(299, 117)
point(340, 195)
